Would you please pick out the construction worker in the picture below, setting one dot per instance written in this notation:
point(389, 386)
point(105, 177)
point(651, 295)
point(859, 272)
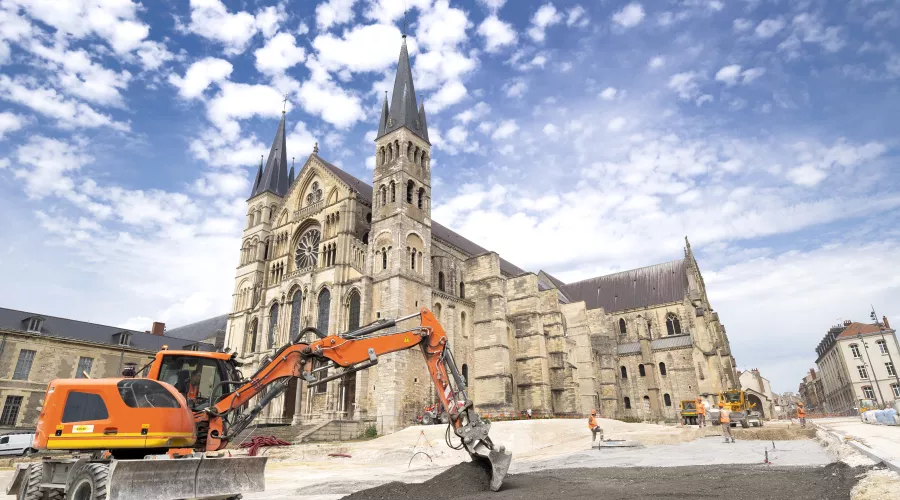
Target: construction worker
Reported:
point(193, 387)
point(801, 414)
point(725, 420)
point(701, 413)
point(594, 426)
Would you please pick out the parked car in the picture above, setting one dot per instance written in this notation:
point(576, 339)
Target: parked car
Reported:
point(17, 443)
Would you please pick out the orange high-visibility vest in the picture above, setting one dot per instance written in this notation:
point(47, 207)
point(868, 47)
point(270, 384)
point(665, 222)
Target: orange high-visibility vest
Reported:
point(701, 410)
point(592, 422)
point(800, 412)
point(193, 391)
point(725, 416)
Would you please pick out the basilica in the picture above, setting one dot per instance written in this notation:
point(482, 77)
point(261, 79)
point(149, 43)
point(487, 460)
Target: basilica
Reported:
point(323, 248)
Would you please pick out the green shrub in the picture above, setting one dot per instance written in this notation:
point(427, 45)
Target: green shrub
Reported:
point(371, 431)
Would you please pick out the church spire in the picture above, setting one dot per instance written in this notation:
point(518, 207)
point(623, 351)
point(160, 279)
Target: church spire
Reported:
point(274, 176)
point(291, 173)
point(258, 177)
point(383, 121)
point(403, 111)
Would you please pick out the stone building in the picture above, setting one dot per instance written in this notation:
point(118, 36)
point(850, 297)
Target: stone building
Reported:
point(323, 248)
point(758, 391)
point(812, 392)
point(37, 348)
point(856, 361)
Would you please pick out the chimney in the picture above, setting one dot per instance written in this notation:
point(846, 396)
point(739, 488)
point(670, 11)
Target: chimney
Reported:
point(158, 328)
point(885, 321)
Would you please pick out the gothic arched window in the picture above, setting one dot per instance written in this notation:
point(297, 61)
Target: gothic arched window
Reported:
point(296, 302)
point(353, 311)
point(251, 337)
point(412, 259)
point(441, 281)
point(384, 258)
point(673, 326)
point(273, 324)
point(421, 203)
point(667, 399)
point(383, 192)
point(307, 252)
point(462, 290)
point(410, 188)
point(393, 192)
point(642, 371)
point(622, 329)
point(662, 368)
point(324, 310)
point(624, 372)
point(627, 403)
point(465, 374)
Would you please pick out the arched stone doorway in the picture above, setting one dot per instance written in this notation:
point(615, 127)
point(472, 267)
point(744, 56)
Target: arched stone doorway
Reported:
point(753, 399)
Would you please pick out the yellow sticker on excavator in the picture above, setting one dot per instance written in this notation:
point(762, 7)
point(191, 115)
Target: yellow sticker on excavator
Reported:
point(81, 429)
point(406, 340)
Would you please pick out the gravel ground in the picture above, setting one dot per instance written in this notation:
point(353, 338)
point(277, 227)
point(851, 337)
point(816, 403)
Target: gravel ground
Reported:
point(734, 482)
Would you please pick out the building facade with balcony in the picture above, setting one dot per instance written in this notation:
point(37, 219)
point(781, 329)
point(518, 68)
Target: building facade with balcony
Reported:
point(857, 360)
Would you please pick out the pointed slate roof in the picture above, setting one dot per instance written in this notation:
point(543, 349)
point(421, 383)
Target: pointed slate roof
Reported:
point(274, 177)
point(382, 122)
point(403, 111)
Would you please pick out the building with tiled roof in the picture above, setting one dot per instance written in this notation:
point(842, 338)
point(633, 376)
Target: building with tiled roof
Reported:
point(329, 250)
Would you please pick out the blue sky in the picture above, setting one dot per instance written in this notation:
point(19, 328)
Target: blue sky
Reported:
point(577, 137)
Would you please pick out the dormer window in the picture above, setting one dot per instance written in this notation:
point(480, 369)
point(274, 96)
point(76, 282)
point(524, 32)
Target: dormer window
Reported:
point(123, 338)
point(34, 324)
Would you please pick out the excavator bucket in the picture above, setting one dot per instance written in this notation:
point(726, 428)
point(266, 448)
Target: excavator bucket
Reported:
point(169, 479)
point(498, 462)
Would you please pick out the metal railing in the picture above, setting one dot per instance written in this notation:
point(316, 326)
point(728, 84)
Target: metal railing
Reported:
point(308, 210)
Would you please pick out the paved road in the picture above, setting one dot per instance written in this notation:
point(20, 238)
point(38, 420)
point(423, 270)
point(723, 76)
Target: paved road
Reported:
point(884, 440)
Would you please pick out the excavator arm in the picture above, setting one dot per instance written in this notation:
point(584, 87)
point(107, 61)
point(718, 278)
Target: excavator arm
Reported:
point(355, 351)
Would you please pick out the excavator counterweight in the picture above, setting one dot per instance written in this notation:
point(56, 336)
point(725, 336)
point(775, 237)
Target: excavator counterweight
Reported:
point(153, 437)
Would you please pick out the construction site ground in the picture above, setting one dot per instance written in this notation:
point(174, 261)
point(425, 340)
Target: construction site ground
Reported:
point(554, 457)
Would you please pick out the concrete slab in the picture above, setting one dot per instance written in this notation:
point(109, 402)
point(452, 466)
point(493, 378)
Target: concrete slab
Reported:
point(879, 442)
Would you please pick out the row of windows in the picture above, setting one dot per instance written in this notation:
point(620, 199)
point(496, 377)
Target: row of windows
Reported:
point(673, 325)
point(882, 348)
point(442, 287)
point(667, 400)
point(323, 310)
point(26, 360)
point(864, 372)
point(414, 154)
point(642, 371)
point(411, 194)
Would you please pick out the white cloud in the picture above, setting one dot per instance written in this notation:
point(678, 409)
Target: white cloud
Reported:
point(631, 15)
point(616, 124)
point(543, 18)
point(515, 88)
point(817, 161)
point(69, 113)
point(496, 33)
point(741, 25)
point(279, 54)
point(608, 94)
point(476, 112)
point(505, 130)
point(200, 75)
point(238, 101)
point(334, 12)
point(321, 96)
point(810, 29)
point(656, 62)
point(75, 72)
point(769, 27)
point(10, 122)
point(392, 10)
point(366, 48)
point(551, 129)
point(729, 74)
point(716, 5)
point(449, 94)
point(210, 19)
point(732, 74)
point(685, 84)
point(493, 5)
point(577, 17)
point(442, 27)
point(44, 165)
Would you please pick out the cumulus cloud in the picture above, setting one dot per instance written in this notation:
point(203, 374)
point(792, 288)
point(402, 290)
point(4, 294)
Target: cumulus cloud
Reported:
point(741, 25)
point(732, 74)
point(616, 124)
point(543, 18)
point(515, 88)
point(496, 33)
point(211, 19)
point(656, 62)
point(631, 15)
point(365, 48)
point(577, 17)
point(769, 27)
point(608, 94)
point(200, 75)
point(686, 84)
point(505, 130)
point(68, 113)
point(280, 53)
point(333, 13)
point(10, 122)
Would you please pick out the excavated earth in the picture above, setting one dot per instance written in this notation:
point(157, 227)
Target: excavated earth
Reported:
point(735, 482)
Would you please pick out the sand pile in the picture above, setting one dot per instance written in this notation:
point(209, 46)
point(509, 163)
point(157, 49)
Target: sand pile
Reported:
point(459, 481)
point(774, 433)
point(877, 484)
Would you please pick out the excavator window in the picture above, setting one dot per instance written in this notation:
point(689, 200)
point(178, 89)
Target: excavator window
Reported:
point(84, 406)
point(194, 377)
point(145, 393)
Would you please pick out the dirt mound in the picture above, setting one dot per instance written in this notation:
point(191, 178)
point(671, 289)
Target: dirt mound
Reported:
point(774, 433)
point(459, 481)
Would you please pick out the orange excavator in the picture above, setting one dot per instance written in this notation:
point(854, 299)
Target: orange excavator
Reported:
point(155, 437)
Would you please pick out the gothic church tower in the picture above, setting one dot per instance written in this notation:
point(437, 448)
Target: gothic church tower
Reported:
point(401, 238)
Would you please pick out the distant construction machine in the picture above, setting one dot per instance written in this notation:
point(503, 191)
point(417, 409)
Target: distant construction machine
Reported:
point(154, 438)
point(742, 411)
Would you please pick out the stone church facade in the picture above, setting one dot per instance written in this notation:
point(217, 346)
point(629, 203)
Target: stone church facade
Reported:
point(326, 249)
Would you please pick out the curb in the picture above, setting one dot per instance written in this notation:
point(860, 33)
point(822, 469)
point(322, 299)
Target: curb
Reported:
point(865, 450)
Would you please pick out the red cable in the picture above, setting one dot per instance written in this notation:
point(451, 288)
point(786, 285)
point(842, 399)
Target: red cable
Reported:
point(259, 441)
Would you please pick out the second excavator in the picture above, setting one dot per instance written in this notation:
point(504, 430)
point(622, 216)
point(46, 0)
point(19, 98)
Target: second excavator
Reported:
point(144, 437)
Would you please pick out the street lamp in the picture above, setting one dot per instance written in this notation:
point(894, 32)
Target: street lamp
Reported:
point(874, 375)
